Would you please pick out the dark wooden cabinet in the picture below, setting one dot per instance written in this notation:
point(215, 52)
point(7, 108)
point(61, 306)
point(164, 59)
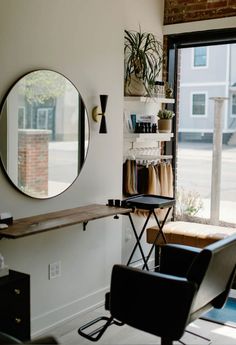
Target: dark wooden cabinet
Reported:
point(15, 305)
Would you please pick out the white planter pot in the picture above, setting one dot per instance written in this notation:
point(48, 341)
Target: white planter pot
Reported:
point(135, 87)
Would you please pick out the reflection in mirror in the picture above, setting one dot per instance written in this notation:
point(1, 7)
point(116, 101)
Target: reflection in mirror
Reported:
point(43, 134)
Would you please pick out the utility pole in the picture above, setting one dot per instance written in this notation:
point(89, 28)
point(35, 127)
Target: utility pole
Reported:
point(216, 159)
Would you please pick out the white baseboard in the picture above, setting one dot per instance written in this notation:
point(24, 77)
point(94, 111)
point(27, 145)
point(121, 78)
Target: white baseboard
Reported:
point(44, 322)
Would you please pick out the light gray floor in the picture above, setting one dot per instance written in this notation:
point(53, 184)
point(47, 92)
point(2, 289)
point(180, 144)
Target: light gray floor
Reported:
point(67, 333)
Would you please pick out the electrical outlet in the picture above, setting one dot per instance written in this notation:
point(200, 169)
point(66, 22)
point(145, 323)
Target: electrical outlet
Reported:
point(54, 270)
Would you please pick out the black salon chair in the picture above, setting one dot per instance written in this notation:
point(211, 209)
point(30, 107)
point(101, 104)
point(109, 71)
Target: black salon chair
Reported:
point(191, 281)
point(8, 339)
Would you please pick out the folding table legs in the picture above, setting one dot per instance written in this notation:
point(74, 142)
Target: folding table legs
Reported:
point(160, 232)
point(138, 238)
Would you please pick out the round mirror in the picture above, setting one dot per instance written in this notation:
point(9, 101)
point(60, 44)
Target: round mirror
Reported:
point(44, 134)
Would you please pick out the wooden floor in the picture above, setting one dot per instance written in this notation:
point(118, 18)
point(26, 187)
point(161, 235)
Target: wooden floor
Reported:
point(67, 333)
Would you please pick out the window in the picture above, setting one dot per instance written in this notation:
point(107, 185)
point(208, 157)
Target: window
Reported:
point(44, 118)
point(199, 104)
point(21, 117)
point(193, 172)
point(234, 105)
point(200, 57)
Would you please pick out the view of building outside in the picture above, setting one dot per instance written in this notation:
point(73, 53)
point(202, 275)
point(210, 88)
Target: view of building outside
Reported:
point(205, 73)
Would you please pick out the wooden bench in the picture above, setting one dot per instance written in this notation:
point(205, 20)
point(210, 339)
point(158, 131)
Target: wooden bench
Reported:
point(191, 234)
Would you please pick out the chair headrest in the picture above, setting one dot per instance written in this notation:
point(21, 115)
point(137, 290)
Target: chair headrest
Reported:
point(213, 269)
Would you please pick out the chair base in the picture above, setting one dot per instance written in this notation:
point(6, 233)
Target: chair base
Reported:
point(96, 334)
point(197, 335)
point(167, 341)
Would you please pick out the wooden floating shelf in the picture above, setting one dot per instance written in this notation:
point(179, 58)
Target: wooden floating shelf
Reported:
point(143, 99)
point(59, 219)
point(153, 157)
point(142, 137)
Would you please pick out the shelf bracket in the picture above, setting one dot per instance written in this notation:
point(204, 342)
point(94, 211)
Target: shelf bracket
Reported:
point(84, 225)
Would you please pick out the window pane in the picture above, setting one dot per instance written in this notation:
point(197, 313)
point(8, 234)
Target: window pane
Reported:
point(199, 101)
point(234, 104)
point(200, 56)
point(21, 117)
point(42, 118)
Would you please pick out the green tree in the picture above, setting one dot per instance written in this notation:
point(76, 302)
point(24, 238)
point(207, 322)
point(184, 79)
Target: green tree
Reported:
point(41, 86)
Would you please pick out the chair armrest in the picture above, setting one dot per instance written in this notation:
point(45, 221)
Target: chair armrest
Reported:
point(151, 301)
point(176, 259)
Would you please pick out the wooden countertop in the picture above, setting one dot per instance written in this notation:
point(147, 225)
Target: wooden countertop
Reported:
point(45, 222)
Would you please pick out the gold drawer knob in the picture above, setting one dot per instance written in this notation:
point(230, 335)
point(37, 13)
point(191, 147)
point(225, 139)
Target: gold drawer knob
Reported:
point(17, 291)
point(17, 320)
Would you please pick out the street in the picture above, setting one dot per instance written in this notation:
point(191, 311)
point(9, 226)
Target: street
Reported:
point(194, 169)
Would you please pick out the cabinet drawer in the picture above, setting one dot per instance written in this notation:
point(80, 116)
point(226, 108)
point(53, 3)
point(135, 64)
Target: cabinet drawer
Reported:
point(16, 325)
point(14, 297)
point(15, 305)
point(18, 295)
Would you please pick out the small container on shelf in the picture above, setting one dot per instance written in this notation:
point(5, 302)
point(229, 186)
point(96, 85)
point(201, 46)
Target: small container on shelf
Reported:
point(143, 127)
point(154, 128)
point(159, 89)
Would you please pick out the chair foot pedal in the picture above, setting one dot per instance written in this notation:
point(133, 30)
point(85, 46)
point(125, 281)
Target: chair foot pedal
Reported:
point(96, 333)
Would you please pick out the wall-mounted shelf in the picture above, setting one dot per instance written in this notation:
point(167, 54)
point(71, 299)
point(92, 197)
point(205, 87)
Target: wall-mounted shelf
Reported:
point(59, 219)
point(152, 157)
point(143, 137)
point(143, 99)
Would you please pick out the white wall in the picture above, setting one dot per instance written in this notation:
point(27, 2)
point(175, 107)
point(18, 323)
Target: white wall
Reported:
point(146, 14)
point(84, 41)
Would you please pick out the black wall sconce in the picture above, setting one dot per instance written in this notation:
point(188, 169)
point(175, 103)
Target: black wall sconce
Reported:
point(96, 113)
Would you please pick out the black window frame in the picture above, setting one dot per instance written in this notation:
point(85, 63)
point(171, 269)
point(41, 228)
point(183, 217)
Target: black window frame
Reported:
point(174, 42)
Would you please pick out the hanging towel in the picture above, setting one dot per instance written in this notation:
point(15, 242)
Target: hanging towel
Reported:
point(127, 189)
point(166, 184)
point(158, 186)
point(130, 177)
point(142, 173)
point(150, 187)
point(152, 180)
point(163, 179)
point(133, 177)
point(143, 186)
point(169, 171)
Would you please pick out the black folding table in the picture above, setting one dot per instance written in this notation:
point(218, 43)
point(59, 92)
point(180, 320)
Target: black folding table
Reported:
point(149, 203)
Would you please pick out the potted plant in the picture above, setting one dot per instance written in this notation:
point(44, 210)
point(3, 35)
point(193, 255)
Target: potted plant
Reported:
point(165, 120)
point(143, 62)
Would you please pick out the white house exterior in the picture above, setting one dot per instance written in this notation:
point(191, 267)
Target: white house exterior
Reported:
point(206, 72)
